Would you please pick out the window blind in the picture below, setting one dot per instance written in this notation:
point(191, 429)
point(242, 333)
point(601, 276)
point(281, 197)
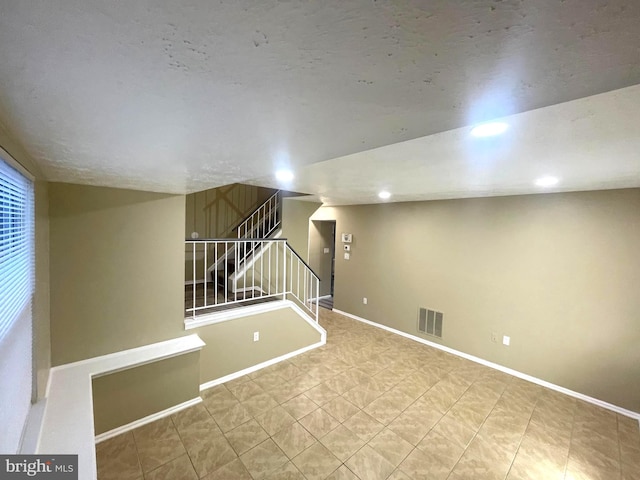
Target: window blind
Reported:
point(16, 256)
point(16, 291)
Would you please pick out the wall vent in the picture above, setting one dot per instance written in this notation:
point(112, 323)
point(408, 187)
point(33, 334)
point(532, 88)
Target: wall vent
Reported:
point(430, 322)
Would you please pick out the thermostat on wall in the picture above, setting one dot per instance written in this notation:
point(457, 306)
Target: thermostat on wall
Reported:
point(346, 238)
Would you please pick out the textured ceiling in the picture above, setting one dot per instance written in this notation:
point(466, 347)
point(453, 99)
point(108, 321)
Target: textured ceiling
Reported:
point(180, 96)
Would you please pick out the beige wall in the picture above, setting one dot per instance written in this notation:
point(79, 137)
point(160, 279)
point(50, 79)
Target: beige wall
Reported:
point(128, 395)
point(295, 224)
point(214, 213)
point(230, 346)
point(321, 237)
point(558, 273)
point(41, 333)
point(117, 278)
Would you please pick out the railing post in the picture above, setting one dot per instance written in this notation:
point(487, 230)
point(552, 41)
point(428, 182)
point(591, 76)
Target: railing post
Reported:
point(284, 271)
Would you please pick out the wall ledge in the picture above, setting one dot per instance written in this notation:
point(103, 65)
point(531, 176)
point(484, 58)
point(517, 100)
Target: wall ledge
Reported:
point(67, 424)
point(509, 371)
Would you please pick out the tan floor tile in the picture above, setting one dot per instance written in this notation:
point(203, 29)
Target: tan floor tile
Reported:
point(527, 467)
point(319, 423)
point(316, 462)
point(117, 458)
point(418, 466)
point(341, 409)
point(232, 417)
point(368, 464)
point(342, 473)
point(246, 436)
point(285, 392)
point(294, 439)
point(233, 470)
point(414, 425)
point(383, 410)
point(472, 467)
point(264, 458)
point(178, 469)
point(391, 446)
point(321, 394)
point(259, 404)
point(288, 471)
point(195, 425)
point(299, 406)
point(275, 420)
point(454, 430)
point(485, 460)
point(269, 381)
point(210, 455)
point(441, 449)
point(157, 444)
point(361, 396)
point(342, 442)
point(246, 390)
point(363, 425)
point(219, 400)
point(398, 475)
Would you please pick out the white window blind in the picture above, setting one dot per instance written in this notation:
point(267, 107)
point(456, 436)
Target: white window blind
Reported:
point(16, 291)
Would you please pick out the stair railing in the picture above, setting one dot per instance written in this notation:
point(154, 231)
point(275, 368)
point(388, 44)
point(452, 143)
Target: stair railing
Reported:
point(264, 220)
point(273, 270)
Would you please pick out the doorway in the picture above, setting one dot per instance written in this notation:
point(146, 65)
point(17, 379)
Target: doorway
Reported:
point(322, 258)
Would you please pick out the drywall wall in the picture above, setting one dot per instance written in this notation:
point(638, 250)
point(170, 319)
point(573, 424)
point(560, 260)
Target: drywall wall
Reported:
point(295, 224)
point(117, 269)
point(558, 273)
point(215, 213)
point(230, 346)
point(321, 249)
point(128, 395)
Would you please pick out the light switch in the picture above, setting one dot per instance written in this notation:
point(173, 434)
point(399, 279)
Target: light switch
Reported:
point(347, 255)
point(326, 250)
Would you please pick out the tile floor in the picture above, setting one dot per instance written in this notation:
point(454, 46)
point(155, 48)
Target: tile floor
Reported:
point(371, 405)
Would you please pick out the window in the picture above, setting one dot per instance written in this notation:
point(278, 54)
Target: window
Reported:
point(16, 292)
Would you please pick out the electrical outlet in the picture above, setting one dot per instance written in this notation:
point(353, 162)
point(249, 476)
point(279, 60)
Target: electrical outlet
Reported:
point(494, 337)
point(256, 336)
point(506, 340)
point(364, 300)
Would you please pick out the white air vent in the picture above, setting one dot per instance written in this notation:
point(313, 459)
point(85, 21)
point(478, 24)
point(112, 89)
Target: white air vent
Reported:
point(430, 322)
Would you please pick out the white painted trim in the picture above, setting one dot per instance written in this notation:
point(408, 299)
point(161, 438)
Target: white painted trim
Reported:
point(67, 424)
point(322, 297)
point(148, 419)
point(253, 289)
point(255, 368)
point(509, 371)
point(226, 315)
point(135, 357)
point(33, 427)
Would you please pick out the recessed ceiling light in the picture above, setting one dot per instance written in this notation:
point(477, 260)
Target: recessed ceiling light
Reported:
point(489, 129)
point(384, 195)
point(284, 175)
point(547, 181)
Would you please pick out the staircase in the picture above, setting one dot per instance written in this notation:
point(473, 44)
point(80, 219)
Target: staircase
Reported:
point(256, 267)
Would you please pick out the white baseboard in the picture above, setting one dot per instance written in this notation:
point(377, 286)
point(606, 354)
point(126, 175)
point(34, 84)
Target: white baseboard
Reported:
point(255, 368)
point(148, 419)
point(515, 373)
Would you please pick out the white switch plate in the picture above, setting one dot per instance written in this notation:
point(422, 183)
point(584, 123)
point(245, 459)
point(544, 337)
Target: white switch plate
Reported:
point(256, 336)
point(326, 250)
point(347, 255)
point(364, 300)
point(506, 340)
